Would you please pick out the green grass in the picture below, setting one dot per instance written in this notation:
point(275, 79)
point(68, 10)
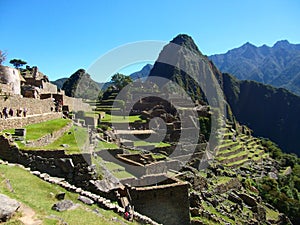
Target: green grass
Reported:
point(212, 210)
point(271, 214)
point(120, 119)
point(106, 145)
point(240, 162)
point(75, 138)
point(233, 149)
point(38, 130)
point(117, 170)
point(39, 195)
point(242, 153)
point(144, 143)
point(222, 180)
point(106, 108)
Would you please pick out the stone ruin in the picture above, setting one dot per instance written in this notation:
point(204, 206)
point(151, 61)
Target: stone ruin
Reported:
point(160, 197)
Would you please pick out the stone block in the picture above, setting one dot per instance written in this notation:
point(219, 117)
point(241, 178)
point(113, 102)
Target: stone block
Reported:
point(8, 207)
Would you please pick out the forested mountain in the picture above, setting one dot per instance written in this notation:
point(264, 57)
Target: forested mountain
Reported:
point(278, 65)
point(270, 112)
point(80, 85)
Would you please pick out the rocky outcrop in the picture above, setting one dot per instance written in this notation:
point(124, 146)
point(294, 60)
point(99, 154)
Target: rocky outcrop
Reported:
point(63, 205)
point(8, 207)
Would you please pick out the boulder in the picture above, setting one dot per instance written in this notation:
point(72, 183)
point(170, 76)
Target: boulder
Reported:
point(234, 198)
point(66, 164)
point(8, 207)
point(273, 175)
point(60, 196)
point(260, 213)
point(85, 200)
point(63, 205)
point(195, 212)
point(195, 199)
point(65, 145)
point(197, 222)
point(283, 220)
point(247, 199)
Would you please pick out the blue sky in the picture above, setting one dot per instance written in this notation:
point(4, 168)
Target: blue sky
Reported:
point(61, 36)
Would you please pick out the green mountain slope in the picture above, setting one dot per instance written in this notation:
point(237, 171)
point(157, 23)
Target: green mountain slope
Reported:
point(270, 112)
point(80, 85)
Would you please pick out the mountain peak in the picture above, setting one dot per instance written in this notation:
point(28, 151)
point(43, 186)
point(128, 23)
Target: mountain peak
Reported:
point(248, 45)
point(186, 41)
point(281, 44)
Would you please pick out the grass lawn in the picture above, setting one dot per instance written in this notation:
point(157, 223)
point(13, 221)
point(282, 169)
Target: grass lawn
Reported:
point(106, 145)
point(39, 195)
point(75, 138)
point(117, 170)
point(38, 130)
point(120, 119)
point(144, 143)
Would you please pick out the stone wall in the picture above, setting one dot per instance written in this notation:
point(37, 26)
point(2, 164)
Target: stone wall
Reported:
point(76, 104)
point(167, 204)
point(33, 106)
point(48, 138)
point(74, 168)
point(48, 87)
point(6, 89)
point(19, 122)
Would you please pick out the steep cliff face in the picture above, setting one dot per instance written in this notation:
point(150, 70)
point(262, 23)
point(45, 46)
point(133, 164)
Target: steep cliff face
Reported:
point(181, 62)
point(270, 112)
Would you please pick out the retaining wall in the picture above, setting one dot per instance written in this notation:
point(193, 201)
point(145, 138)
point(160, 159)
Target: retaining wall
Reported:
point(74, 168)
point(19, 122)
point(33, 106)
point(167, 204)
point(48, 138)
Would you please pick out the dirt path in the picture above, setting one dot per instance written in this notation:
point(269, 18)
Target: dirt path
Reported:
point(28, 216)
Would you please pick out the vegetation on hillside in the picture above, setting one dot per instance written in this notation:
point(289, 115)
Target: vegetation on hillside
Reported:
point(80, 85)
point(270, 112)
point(283, 193)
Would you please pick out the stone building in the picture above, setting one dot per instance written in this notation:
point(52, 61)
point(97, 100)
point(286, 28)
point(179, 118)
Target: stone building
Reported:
point(162, 198)
point(10, 81)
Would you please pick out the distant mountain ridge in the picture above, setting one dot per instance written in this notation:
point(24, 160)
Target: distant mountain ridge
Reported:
point(59, 82)
point(143, 73)
point(70, 88)
point(278, 65)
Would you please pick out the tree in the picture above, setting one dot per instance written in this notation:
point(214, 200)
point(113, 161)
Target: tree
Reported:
point(120, 80)
point(17, 63)
point(2, 57)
